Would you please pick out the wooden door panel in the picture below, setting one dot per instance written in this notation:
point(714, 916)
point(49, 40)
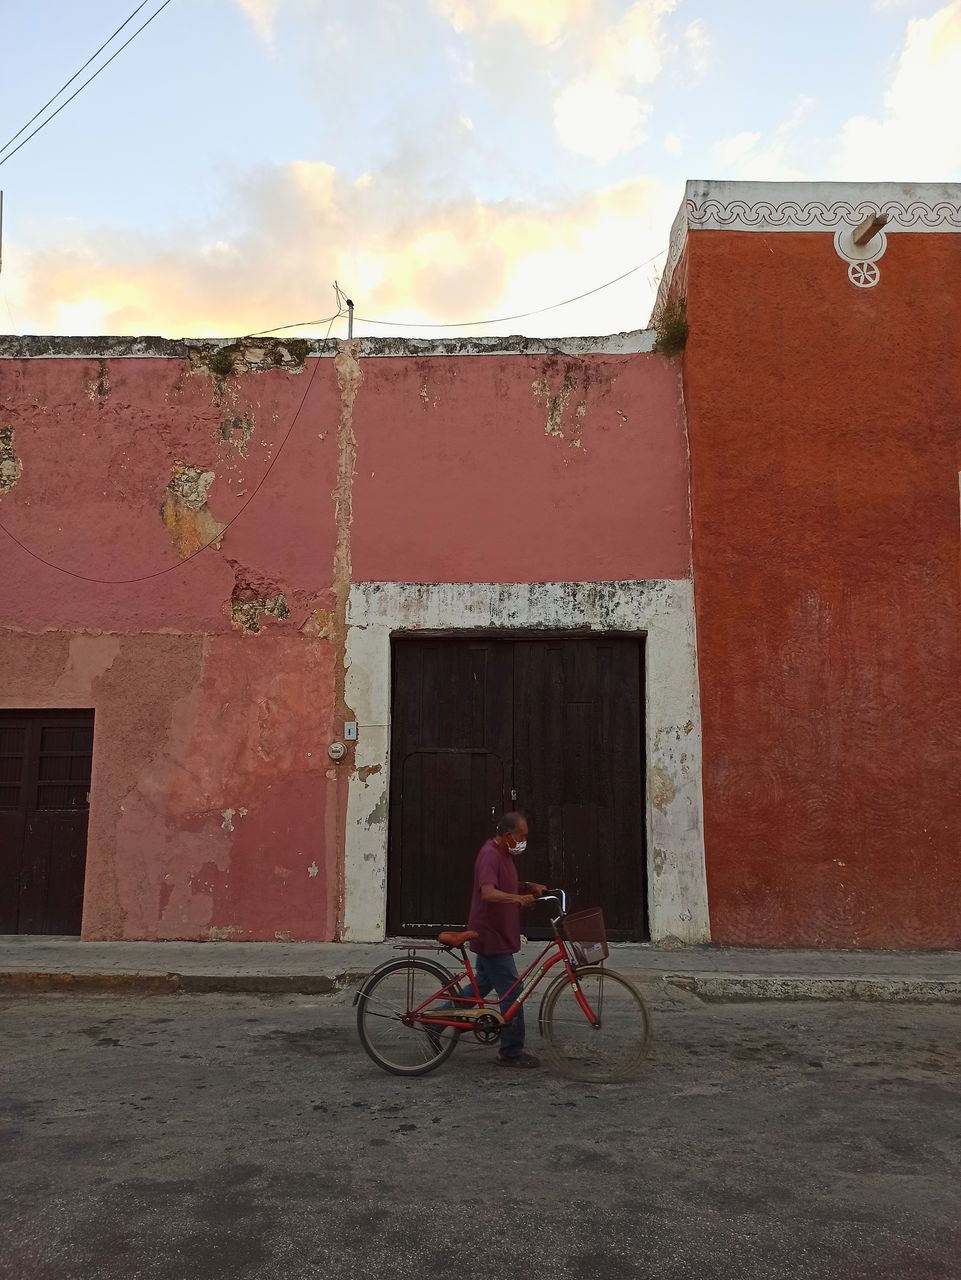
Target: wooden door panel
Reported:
point(13, 799)
point(578, 772)
point(45, 765)
point(450, 760)
point(557, 720)
point(446, 810)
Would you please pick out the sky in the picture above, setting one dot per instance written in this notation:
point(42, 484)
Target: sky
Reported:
point(444, 160)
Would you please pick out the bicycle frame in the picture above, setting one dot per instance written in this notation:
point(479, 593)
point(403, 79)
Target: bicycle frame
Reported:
point(557, 952)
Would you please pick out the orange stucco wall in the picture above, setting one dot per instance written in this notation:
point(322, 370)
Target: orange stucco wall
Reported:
point(825, 430)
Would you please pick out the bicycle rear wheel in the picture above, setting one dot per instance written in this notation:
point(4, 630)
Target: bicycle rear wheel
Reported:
point(382, 1004)
point(610, 1053)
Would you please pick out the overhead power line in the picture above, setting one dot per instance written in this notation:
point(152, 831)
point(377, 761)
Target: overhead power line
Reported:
point(470, 324)
point(159, 573)
point(90, 79)
point(68, 83)
point(260, 333)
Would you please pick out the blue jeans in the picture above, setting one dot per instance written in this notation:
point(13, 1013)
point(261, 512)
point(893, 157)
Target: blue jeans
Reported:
point(499, 973)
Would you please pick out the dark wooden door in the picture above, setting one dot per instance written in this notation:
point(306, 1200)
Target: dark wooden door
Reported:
point(550, 725)
point(45, 760)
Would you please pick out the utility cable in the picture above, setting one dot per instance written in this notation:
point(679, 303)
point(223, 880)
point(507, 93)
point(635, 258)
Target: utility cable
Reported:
point(467, 324)
point(304, 324)
point(147, 577)
point(43, 123)
point(69, 82)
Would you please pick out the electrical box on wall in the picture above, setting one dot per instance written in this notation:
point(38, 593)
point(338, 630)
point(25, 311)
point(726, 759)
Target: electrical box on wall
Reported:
point(350, 730)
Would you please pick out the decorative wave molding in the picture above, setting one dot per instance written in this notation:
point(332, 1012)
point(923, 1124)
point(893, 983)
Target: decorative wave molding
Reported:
point(752, 211)
point(713, 214)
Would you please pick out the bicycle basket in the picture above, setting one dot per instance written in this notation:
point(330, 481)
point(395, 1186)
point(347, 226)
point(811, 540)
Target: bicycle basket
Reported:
point(585, 932)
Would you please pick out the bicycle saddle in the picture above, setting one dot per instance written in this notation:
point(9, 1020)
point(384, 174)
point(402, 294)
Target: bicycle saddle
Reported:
point(457, 939)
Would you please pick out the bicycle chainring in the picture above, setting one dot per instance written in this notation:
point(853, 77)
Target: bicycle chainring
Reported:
point(487, 1029)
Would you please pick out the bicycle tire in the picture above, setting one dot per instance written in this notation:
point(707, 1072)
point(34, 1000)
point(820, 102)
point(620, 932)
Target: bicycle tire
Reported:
point(574, 1066)
point(444, 1040)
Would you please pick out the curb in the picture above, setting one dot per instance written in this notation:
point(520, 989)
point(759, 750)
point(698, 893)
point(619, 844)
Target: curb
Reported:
point(715, 988)
point(733, 988)
point(25, 983)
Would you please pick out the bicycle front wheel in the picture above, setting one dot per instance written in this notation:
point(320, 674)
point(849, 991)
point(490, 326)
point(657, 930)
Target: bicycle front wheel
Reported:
point(383, 1003)
point(609, 1053)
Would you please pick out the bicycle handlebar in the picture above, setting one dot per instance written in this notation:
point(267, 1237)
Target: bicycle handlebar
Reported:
point(555, 895)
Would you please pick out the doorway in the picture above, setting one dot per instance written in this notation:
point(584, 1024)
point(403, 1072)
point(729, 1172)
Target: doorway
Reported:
point(45, 764)
point(551, 725)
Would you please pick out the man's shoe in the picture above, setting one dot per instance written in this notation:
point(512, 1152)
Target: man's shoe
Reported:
point(518, 1060)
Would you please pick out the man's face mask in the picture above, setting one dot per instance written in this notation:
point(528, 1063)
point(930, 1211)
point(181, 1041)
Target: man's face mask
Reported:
point(519, 847)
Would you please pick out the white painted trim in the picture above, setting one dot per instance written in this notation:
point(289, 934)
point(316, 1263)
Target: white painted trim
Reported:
point(662, 610)
point(808, 206)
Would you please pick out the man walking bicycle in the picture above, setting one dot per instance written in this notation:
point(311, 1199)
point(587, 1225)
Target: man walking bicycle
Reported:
point(495, 912)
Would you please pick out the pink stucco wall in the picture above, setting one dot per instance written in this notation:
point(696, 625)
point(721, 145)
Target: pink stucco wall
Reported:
point(520, 469)
point(215, 811)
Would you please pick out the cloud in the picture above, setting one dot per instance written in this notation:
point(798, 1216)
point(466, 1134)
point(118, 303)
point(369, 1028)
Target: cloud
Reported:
point(749, 155)
point(542, 21)
point(913, 138)
point(593, 118)
point(263, 14)
point(602, 62)
point(697, 44)
point(400, 256)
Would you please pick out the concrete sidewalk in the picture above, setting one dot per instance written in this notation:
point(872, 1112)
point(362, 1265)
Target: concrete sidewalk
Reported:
point(29, 964)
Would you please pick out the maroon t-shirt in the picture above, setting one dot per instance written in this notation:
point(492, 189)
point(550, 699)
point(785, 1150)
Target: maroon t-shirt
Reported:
point(498, 923)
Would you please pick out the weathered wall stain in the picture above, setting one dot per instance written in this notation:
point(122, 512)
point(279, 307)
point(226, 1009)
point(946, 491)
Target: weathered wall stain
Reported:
point(349, 378)
point(318, 624)
point(98, 388)
point(562, 383)
point(185, 513)
point(11, 468)
point(661, 786)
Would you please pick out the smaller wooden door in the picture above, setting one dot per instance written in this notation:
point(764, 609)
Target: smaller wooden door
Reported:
point(45, 764)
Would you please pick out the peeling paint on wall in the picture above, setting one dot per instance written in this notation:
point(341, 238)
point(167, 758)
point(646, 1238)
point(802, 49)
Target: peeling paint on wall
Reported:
point(253, 599)
point(229, 815)
point(248, 355)
point(661, 789)
point(236, 429)
point(185, 513)
point(11, 468)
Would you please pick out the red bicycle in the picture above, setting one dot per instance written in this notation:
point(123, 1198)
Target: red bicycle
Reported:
point(594, 1022)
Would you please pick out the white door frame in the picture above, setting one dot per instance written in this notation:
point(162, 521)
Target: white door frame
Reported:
point(662, 610)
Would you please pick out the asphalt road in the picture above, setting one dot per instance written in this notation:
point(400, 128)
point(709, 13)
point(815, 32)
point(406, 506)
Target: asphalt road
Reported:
point(207, 1137)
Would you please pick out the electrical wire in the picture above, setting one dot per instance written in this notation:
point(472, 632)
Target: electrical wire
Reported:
point(303, 324)
point(159, 573)
point(468, 324)
point(521, 315)
point(43, 123)
point(69, 82)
